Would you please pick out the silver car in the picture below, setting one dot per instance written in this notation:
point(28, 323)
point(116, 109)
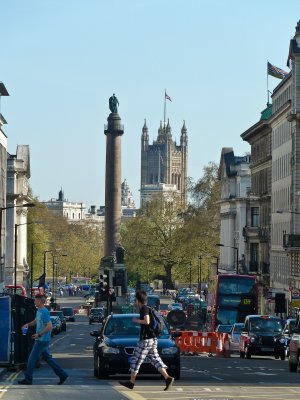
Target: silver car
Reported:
point(235, 336)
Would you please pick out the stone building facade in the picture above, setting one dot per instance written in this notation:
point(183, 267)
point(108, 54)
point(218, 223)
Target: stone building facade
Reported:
point(164, 162)
point(234, 176)
point(258, 221)
point(72, 211)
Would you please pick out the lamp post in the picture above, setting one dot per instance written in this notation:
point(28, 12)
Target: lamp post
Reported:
point(45, 263)
point(16, 250)
point(237, 254)
point(190, 276)
point(54, 271)
point(32, 265)
point(199, 274)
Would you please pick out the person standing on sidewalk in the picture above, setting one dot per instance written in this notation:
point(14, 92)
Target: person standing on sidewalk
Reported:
point(42, 336)
point(147, 346)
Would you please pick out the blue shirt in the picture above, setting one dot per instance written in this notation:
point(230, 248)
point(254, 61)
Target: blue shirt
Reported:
point(42, 319)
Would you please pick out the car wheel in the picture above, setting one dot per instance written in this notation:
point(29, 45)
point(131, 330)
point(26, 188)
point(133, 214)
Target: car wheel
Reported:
point(286, 352)
point(282, 357)
point(293, 367)
point(101, 373)
point(276, 357)
point(96, 368)
point(90, 322)
point(247, 352)
point(242, 354)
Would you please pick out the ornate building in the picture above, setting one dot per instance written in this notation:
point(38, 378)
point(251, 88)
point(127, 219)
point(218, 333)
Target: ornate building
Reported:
point(258, 222)
point(234, 175)
point(72, 211)
point(164, 163)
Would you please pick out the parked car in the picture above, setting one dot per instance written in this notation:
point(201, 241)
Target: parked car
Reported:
point(115, 343)
point(56, 325)
point(68, 313)
point(224, 328)
point(90, 300)
point(285, 336)
point(235, 336)
point(96, 315)
point(175, 306)
point(153, 301)
point(259, 336)
point(62, 318)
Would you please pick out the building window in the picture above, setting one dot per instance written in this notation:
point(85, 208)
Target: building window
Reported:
point(254, 257)
point(255, 216)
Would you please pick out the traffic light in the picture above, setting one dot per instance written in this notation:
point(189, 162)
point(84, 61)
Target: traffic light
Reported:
point(103, 286)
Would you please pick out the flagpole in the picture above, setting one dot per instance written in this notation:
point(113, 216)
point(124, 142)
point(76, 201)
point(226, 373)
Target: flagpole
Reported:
point(267, 82)
point(165, 110)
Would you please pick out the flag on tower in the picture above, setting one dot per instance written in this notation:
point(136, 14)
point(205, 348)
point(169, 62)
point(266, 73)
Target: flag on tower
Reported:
point(276, 72)
point(167, 97)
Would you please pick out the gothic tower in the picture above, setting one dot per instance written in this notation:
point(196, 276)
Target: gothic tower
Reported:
point(164, 163)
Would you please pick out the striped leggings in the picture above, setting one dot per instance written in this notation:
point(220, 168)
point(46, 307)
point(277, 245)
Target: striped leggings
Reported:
point(147, 347)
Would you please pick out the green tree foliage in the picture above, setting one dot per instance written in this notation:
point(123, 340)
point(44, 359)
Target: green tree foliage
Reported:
point(168, 237)
point(81, 242)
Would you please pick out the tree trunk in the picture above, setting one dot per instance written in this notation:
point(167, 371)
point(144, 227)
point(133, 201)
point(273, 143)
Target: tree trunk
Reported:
point(169, 283)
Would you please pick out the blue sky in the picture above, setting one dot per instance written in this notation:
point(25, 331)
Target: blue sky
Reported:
point(62, 59)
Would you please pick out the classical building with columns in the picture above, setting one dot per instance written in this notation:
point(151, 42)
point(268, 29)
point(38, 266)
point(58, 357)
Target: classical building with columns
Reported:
point(164, 163)
point(18, 174)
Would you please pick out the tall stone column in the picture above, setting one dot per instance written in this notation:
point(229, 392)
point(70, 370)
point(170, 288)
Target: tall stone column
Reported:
point(113, 131)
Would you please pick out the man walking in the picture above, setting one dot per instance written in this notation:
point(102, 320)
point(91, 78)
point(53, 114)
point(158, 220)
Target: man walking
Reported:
point(42, 336)
point(147, 346)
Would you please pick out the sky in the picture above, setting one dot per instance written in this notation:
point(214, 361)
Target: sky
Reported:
point(61, 60)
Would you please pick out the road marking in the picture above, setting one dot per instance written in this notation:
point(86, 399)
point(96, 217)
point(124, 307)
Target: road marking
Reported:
point(217, 378)
point(132, 395)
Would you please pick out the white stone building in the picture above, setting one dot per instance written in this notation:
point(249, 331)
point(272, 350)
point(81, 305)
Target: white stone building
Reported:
point(72, 211)
point(234, 175)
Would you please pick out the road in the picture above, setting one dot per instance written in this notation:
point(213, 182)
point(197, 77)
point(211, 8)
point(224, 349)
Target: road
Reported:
point(203, 378)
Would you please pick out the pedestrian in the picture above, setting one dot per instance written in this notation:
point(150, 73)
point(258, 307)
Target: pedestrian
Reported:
point(147, 346)
point(42, 336)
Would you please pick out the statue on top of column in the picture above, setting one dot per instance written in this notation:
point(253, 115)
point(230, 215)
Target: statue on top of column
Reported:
point(113, 104)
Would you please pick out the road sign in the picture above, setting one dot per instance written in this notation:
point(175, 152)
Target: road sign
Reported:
point(295, 294)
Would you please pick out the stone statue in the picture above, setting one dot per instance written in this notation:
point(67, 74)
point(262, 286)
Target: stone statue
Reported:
point(113, 104)
point(120, 251)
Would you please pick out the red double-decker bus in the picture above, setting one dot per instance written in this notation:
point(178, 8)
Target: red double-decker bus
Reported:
point(235, 297)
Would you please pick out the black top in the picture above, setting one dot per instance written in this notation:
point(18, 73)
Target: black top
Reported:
point(146, 332)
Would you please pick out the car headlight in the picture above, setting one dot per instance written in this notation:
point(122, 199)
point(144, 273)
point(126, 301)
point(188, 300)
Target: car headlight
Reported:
point(252, 339)
point(110, 350)
point(169, 350)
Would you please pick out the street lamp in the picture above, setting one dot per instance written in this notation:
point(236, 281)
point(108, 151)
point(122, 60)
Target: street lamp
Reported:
point(199, 274)
point(16, 249)
point(32, 266)
point(54, 271)
point(190, 276)
point(237, 254)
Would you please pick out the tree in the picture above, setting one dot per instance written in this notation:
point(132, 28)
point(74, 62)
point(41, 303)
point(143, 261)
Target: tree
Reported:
point(151, 239)
point(81, 242)
point(169, 236)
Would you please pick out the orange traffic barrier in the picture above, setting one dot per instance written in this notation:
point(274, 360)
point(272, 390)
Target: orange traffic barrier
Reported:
point(192, 342)
point(223, 347)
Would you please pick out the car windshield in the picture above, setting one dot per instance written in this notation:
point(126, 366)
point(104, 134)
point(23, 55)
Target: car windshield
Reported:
point(238, 328)
point(265, 325)
point(96, 311)
point(125, 327)
point(68, 311)
point(224, 328)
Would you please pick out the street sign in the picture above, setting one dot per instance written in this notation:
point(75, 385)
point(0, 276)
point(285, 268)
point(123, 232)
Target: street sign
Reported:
point(295, 294)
